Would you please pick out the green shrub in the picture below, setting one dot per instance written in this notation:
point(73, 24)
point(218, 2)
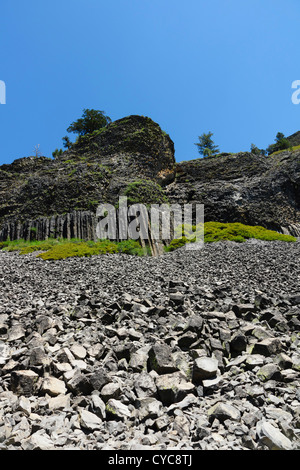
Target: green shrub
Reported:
point(13, 245)
point(3, 245)
point(78, 249)
point(191, 232)
point(62, 248)
point(145, 192)
point(176, 243)
point(218, 231)
point(38, 246)
point(57, 153)
point(25, 246)
point(131, 247)
point(215, 231)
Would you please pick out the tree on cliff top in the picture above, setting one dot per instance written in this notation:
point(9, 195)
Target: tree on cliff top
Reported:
point(90, 121)
point(281, 143)
point(206, 146)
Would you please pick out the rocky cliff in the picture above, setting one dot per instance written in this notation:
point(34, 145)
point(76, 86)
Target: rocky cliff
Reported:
point(42, 197)
point(245, 188)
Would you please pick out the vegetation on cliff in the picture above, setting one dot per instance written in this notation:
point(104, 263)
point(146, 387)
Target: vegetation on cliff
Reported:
point(54, 249)
point(42, 197)
point(95, 169)
point(281, 143)
point(206, 145)
point(90, 121)
point(145, 192)
point(236, 232)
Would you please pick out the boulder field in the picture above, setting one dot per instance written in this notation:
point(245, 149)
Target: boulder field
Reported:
point(189, 350)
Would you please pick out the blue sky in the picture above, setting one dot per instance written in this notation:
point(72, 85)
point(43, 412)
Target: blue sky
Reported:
point(224, 66)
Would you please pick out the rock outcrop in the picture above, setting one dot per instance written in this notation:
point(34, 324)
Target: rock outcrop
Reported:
point(244, 187)
point(42, 197)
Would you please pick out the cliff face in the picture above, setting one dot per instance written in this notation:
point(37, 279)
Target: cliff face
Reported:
point(41, 197)
point(245, 188)
point(294, 139)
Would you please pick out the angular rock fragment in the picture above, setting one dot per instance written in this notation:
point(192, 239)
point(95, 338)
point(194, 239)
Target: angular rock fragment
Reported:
point(238, 343)
point(138, 359)
point(43, 323)
point(90, 421)
point(254, 360)
point(115, 409)
point(224, 411)
point(241, 309)
point(187, 402)
point(64, 355)
point(149, 408)
point(98, 406)
point(16, 332)
point(24, 405)
point(4, 353)
point(173, 387)
point(267, 347)
point(204, 368)
point(145, 385)
point(195, 324)
point(39, 440)
point(272, 437)
point(177, 298)
point(110, 390)
point(53, 386)
point(59, 402)
point(78, 351)
point(24, 382)
point(38, 357)
point(161, 360)
point(98, 379)
point(269, 372)
point(79, 384)
point(187, 339)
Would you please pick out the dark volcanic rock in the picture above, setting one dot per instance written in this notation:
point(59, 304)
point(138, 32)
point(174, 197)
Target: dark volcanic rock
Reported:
point(41, 197)
point(139, 380)
point(244, 188)
point(161, 359)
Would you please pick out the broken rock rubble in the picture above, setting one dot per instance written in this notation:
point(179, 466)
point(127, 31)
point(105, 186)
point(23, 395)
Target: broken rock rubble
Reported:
point(191, 350)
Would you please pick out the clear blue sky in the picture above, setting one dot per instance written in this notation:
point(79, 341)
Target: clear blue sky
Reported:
point(193, 66)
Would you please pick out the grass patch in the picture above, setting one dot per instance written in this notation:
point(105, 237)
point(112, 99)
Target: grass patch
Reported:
point(218, 231)
point(54, 249)
point(25, 247)
point(82, 248)
point(78, 249)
